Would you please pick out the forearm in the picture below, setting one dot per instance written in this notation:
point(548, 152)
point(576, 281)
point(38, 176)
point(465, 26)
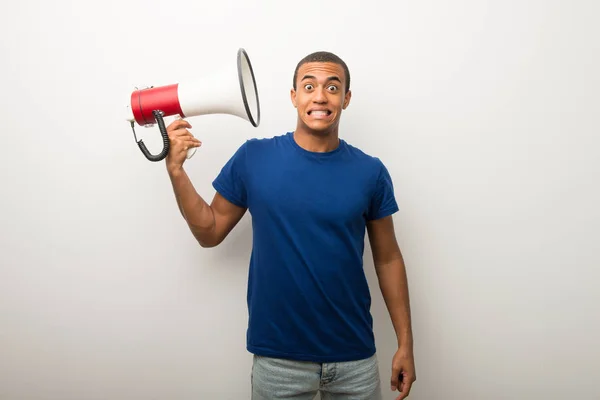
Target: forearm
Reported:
point(394, 288)
point(194, 209)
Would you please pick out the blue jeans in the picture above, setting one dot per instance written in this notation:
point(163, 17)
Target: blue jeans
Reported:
point(274, 378)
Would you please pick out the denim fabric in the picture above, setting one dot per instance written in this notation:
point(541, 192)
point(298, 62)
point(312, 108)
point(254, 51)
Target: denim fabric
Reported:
point(274, 378)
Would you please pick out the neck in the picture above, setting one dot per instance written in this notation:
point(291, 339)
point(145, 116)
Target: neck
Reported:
point(318, 142)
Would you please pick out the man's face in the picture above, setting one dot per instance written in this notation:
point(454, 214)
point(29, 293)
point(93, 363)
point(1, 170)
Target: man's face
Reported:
point(320, 96)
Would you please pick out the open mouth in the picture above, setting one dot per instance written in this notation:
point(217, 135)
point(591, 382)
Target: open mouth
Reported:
point(319, 113)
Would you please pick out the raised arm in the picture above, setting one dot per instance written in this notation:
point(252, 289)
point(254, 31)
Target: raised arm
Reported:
point(209, 223)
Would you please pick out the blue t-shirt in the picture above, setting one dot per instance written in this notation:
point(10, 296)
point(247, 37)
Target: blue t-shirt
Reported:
point(308, 297)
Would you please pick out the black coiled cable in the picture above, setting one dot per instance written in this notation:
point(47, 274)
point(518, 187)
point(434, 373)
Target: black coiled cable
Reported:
point(158, 115)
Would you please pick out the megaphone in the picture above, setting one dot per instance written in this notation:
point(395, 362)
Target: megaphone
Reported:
point(231, 90)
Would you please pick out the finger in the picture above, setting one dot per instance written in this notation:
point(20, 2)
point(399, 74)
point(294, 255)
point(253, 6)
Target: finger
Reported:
point(405, 387)
point(404, 393)
point(394, 380)
point(177, 124)
point(191, 141)
point(180, 132)
point(184, 139)
point(186, 144)
point(182, 136)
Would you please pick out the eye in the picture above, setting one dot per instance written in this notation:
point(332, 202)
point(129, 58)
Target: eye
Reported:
point(308, 86)
point(332, 88)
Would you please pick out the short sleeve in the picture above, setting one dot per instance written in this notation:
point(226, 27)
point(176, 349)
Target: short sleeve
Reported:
point(383, 201)
point(230, 182)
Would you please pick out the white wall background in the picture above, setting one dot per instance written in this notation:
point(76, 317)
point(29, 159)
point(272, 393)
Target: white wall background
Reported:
point(486, 113)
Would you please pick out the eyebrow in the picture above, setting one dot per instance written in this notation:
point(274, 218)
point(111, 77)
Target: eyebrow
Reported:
point(331, 78)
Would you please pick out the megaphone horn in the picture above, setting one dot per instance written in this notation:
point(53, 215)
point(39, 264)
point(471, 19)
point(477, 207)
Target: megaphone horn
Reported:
point(231, 91)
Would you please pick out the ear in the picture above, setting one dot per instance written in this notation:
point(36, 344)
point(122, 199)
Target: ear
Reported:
point(293, 97)
point(347, 99)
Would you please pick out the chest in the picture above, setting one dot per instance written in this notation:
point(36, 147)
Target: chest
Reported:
point(325, 193)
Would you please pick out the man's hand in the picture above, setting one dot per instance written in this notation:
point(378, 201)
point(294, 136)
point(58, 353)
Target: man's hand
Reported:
point(180, 141)
point(403, 372)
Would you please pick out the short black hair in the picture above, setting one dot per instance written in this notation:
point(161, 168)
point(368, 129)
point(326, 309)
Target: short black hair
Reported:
point(323, 56)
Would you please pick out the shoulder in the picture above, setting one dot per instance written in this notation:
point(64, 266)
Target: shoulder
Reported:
point(260, 145)
point(253, 153)
point(371, 162)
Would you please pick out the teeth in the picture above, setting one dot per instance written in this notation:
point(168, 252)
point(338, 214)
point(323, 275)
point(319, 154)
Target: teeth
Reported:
point(319, 113)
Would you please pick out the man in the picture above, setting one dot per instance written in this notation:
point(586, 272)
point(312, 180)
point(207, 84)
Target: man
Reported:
point(312, 197)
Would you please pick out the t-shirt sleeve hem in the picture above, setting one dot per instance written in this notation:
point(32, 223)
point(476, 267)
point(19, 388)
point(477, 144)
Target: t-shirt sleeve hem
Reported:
point(384, 213)
point(228, 195)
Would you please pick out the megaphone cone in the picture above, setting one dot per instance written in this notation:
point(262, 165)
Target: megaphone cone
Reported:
point(232, 90)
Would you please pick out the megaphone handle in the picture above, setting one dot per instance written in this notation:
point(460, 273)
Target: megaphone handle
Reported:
point(165, 136)
point(191, 152)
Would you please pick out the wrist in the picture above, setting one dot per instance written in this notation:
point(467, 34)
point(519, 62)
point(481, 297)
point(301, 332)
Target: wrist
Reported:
point(405, 342)
point(175, 170)
point(405, 346)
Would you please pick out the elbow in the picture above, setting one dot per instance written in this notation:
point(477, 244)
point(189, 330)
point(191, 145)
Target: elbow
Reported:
point(208, 243)
point(206, 238)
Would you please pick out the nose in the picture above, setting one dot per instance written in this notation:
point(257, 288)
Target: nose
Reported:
point(320, 96)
